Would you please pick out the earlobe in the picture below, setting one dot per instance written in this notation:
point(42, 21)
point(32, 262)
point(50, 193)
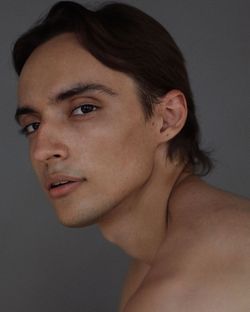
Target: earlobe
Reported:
point(173, 113)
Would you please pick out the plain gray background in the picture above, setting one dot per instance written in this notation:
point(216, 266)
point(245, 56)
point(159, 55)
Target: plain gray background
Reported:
point(47, 267)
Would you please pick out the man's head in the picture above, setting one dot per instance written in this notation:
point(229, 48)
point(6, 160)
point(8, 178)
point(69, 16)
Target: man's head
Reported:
point(92, 89)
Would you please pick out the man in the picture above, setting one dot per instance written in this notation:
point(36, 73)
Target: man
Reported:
point(105, 102)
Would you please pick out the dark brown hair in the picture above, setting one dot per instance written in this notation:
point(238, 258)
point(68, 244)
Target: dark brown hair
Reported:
point(125, 39)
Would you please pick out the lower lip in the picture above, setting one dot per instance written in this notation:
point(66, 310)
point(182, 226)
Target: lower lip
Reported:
point(64, 190)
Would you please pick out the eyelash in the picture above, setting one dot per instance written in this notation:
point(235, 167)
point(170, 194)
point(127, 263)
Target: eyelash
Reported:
point(84, 105)
point(25, 132)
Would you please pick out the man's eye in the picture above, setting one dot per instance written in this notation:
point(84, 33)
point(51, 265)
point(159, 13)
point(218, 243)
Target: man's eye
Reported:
point(30, 128)
point(84, 109)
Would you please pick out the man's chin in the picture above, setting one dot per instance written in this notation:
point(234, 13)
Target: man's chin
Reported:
point(70, 218)
point(74, 223)
point(71, 214)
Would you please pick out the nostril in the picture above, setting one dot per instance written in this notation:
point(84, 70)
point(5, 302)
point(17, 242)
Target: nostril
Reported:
point(47, 148)
point(54, 156)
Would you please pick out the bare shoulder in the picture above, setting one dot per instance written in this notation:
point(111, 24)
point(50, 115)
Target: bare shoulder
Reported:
point(221, 221)
point(205, 295)
point(198, 189)
point(231, 211)
point(203, 202)
point(205, 265)
point(210, 278)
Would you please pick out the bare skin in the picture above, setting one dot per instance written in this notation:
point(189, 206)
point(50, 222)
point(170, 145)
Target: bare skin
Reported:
point(189, 241)
point(203, 263)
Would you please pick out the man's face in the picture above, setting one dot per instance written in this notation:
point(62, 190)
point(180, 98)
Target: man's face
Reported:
point(85, 123)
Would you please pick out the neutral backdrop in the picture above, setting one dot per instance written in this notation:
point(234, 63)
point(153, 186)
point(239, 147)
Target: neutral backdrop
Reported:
point(47, 267)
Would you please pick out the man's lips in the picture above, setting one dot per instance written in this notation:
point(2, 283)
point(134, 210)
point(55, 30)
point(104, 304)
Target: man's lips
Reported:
point(59, 185)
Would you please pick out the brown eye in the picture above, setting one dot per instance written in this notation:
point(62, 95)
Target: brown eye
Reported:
point(84, 109)
point(30, 128)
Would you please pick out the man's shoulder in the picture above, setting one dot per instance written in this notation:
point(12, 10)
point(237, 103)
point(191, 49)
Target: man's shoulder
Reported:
point(213, 278)
point(211, 207)
point(205, 267)
point(219, 228)
point(231, 214)
point(209, 293)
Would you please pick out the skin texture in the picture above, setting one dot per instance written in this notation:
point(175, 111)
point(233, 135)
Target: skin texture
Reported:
point(142, 201)
point(203, 262)
point(112, 148)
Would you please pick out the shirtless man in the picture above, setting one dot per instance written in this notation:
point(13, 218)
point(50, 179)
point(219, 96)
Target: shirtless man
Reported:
point(105, 102)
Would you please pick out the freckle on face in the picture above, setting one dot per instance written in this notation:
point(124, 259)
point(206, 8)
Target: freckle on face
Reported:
point(113, 150)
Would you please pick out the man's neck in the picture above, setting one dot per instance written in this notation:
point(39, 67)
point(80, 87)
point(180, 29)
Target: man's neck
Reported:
point(139, 224)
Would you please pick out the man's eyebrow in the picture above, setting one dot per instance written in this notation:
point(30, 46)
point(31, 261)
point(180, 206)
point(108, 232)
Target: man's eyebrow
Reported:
point(26, 110)
point(81, 88)
point(68, 93)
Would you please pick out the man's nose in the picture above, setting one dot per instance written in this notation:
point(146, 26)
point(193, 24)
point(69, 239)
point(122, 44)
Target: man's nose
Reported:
point(49, 144)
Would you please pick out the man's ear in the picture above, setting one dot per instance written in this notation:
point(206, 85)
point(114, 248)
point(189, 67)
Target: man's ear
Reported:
point(171, 113)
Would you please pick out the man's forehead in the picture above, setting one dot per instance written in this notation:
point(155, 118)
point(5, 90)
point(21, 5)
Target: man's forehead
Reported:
point(52, 67)
point(60, 52)
point(63, 42)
